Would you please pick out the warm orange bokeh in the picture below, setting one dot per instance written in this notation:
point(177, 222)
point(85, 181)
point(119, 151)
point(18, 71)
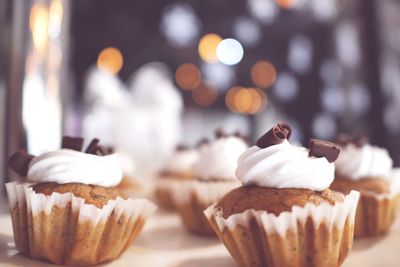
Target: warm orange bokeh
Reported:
point(208, 47)
point(204, 94)
point(187, 76)
point(245, 100)
point(263, 74)
point(110, 59)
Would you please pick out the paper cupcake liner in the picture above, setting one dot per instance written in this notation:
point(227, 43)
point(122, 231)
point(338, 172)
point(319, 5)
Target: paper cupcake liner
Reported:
point(193, 197)
point(62, 229)
point(309, 236)
point(375, 213)
point(164, 189)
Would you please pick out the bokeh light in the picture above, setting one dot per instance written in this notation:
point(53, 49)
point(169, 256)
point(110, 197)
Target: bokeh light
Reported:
point(245, 100)
point(263, 74)
point(204, 94)
point(221, 75)
point(300, 54)
point(187, 76)
point(208, 47)
point(38, 23)
point(110, 59)
point(265, 11)
point(333, 100)
point(55, 18)
point(359, 99)
point(180, 24)
point(229, 51)
point(324, 126)
point(286, 3)
point(247, 31)
point(286, 87)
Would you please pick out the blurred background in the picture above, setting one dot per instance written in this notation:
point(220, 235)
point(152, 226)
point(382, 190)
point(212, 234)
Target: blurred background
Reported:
point(146, 75)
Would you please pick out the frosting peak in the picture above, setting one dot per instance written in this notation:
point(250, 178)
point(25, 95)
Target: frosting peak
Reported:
point(284, 166)
point(367, 161)
point(182, 161)
point(69, 166)
point(218, 159)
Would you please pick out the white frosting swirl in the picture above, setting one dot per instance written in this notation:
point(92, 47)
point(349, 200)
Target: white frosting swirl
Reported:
point(182, 161)
point(218, 159)
point(284, 166)
point(367, 161)
point(69, 166)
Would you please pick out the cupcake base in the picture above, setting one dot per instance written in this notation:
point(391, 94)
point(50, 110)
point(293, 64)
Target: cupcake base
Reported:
point(193, 197)
point(375, 214)
point(311, 236)
point(377, 209)
point(62, 229)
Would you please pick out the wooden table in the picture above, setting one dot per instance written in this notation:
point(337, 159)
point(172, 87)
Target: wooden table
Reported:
point(163, 243)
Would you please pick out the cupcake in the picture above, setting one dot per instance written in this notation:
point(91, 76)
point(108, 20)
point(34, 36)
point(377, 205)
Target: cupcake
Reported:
point(284, 214)
point(215, 176)
point(69, 211)
point(178, 168)
point(367, 169)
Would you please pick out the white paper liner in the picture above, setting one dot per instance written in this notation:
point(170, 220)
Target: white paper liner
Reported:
point(125, 211)
point(329, 214)
point(206, 192)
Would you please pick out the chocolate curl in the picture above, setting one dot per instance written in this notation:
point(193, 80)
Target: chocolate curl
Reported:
point(361, 140)
point(202, 142)
point(219, 133)
point(74, 143)
point(103, 150)
point(245, 138)
point(181, 147)
point(19, 162)
point(319, 148)
point(285, 128)
point(343, 139)
point(92, 147)
point(275, 136)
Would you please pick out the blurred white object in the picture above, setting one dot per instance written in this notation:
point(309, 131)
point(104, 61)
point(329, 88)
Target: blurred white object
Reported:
point(143, 123)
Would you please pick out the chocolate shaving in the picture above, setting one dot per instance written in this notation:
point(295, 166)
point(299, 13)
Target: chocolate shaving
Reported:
point(19, 162)
point(361, 140)
point(103, 150)
point(275, 136)
point(74, 143)
point(343, 139)
point(92, 147)
point(319, 148)
point(181, 147)
point(285, 128)
point(219, 133)
point(202, 142)
point(245, 138)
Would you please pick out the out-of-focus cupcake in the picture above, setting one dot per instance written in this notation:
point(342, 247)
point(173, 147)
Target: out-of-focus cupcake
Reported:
point(69, 211)
point(284, 214)
point(215, 176)
point(178, 168)
point(367, 169)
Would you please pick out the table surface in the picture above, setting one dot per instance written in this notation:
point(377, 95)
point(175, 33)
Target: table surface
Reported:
point(163, 243)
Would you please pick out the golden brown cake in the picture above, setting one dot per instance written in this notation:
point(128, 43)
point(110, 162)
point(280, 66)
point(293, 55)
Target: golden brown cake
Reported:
point(92, 194)
point(273, 200)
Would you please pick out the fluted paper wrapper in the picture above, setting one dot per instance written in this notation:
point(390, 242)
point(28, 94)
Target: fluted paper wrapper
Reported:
point(62, 229)
point(309, 236)
point(193, 197)
point(376, 213)
point(163, 192)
